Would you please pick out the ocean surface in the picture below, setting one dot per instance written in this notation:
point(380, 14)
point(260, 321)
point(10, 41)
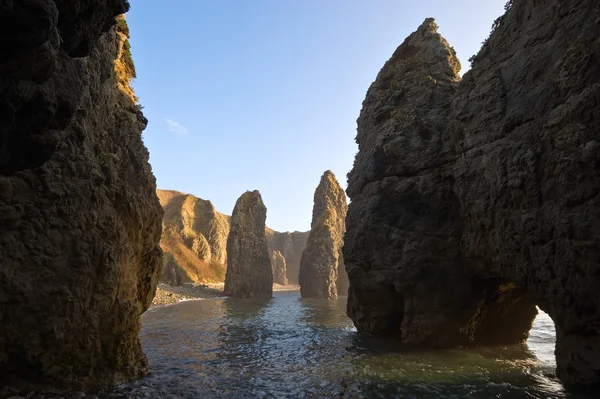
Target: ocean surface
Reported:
point(289, 347)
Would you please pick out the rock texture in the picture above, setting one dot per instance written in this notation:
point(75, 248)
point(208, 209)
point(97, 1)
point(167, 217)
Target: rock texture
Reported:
point(473, 200)
point(291, 245)
point(322, 263)
point(80, 221)
point(279, 268)
point(195, 238)
point(249, 272)
point(195, 235)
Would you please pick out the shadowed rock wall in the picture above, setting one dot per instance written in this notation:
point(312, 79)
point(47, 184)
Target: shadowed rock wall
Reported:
point(473, 200)
point(80, 222)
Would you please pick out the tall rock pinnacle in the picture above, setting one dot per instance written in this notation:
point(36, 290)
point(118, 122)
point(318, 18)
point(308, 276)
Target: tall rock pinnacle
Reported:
point(322, 261)
point(473, 201)
point(249, 272)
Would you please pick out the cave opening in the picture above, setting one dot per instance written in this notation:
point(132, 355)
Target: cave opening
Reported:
point(542, 337)
point(503, 314)
point(506, 314)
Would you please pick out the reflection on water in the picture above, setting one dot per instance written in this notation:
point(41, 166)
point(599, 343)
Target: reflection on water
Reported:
point(289, 347)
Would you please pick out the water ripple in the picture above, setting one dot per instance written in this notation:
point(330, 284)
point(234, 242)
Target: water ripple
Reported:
point(288, 347)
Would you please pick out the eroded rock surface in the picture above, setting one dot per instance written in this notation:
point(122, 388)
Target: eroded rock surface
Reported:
point(291, 245)
point(472, 201)
point(195, 235)
point(80, 221)
point(249, 272)
point(322, 261)
point(279, 268)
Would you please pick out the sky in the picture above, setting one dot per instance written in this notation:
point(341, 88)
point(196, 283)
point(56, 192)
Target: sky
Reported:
point(264, 94)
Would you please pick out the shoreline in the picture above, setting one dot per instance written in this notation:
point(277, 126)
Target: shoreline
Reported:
point(168, 294)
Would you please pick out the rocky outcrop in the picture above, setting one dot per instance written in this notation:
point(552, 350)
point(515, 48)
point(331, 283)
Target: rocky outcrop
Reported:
point(201, 248)
point(279, 268)
point(474, 200)
point(80, 221)
point(249, 272)
point(322, 262)
point(291, 245)
point(195, 234)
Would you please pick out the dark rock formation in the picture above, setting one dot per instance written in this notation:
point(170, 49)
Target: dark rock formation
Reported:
point(279, 268)
point(322, 260)
point(249, 272)
point(291, 245)
point(195, 234)
point(80, 221)
point(472, 201)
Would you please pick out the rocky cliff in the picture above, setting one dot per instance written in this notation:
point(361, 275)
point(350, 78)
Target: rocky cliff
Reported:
point(279, 268)
point(195, 239)
point(291, 245)
point(80, 221)
point(249, 272)
point(322, 262)
point(474, 200)
point(195, 235)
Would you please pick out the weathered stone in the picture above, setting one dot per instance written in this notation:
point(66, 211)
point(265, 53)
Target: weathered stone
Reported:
point(291, 245)
point(189, 220)
point(201, 248)
point(190, 216)
point(279, 268)
point(322, 260)
point(80, 222)
point(249, 272)
point(472, 201)
point(195, 233)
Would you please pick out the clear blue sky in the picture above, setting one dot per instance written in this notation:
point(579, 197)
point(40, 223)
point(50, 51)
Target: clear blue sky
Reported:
point(264, 94)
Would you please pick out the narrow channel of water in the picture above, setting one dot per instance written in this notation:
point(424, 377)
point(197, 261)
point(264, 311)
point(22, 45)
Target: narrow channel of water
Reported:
point(288, 347)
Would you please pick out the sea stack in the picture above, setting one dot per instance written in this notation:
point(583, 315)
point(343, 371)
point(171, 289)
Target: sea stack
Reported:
point(279, 268)
point(473, 201)
point(322, 263)
point(291, 245)
point(249, 271)
point(80, 221)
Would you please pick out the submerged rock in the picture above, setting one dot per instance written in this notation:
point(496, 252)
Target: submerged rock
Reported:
point(249, 272)
point(322, 261)
point(473, 201)
point(279, 268)
point(80, 220)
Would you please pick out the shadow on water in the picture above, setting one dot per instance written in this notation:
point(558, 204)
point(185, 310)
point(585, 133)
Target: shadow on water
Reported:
point(289, 347)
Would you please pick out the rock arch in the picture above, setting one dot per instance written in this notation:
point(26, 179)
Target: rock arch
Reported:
point(473, 199)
